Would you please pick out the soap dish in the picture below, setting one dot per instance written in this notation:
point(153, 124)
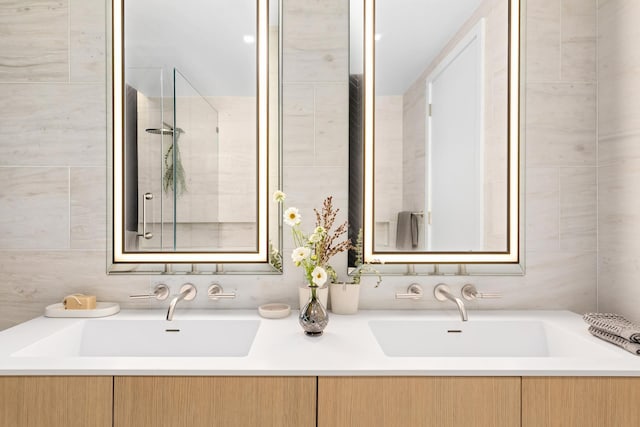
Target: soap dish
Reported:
point(274, 310)
point(103, 309)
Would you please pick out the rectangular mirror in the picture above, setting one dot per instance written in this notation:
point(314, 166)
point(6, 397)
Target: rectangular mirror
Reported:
point(194, 102)
point(435, 131)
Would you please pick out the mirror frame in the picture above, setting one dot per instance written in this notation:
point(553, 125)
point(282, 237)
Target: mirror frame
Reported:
point(514, 255)
point(185, 262)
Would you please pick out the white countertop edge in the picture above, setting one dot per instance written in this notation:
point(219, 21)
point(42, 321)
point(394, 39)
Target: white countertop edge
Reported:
point(306, 373)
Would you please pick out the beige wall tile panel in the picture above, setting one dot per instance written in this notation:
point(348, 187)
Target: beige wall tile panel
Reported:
point(542, 212)
point(414, 147)
point(618, 156)
point(619, 207)
point(561, 124)
point(34, 208)
point(52, 125)
point(578, 209)
point(87, 40)
point(543, 34)
point(618, 268)
point(618, 68)
point(31, 280)
point(88, 208)
point(34, 41)
point(579, 40)
point(316, 34)
point(617, 149)
point(554, 281)
point(388, 161)
point(331, 125)
point(298, 134)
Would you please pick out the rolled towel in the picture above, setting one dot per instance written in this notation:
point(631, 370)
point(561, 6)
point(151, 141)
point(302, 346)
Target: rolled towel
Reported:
point(614, 339)
point(404, 239)
point(614, 324)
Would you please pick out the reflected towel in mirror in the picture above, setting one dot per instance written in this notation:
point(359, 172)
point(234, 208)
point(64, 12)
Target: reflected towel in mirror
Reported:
point(407, 231)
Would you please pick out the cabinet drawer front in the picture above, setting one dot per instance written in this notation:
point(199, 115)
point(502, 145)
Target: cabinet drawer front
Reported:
point(214, 401)
point(37, 401)
point(418, 401)
point(580, 402)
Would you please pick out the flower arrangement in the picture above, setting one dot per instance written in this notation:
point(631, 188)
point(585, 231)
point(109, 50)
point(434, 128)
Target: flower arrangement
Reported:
point(314, 250)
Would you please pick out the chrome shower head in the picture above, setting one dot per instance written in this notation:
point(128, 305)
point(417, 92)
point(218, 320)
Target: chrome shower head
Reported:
point(156, 131)
point(165, 130)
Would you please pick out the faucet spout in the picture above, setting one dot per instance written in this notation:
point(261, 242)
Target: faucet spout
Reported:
point(187, 293)
point(442, 293)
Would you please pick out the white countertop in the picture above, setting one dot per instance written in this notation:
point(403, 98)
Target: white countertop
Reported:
point(348, 347)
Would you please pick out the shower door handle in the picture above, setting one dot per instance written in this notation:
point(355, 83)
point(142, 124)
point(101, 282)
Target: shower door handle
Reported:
point(146, 234)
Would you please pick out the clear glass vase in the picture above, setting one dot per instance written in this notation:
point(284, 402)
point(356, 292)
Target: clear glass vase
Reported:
point(313, 316)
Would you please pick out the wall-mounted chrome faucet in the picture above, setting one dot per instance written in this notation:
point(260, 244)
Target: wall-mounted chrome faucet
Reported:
point(443, 293)
point(187, 292)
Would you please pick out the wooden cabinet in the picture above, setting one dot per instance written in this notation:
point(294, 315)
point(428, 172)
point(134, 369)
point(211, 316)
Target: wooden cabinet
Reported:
point(418, 401)
point(80, 401)
point(55, 401)
point(214, 401)
point(580, 402)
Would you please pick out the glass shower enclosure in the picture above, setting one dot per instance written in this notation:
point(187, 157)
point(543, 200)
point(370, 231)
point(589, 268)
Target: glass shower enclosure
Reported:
point(171, 163)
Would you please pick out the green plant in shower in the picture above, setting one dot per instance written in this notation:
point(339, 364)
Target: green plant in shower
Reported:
point(168, 177)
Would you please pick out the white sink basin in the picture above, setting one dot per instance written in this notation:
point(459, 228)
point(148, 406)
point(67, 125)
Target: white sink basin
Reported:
point(426, 338)
point(148, 338)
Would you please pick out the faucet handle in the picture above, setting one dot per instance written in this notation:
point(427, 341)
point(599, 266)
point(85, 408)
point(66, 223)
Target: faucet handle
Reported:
point(160, 292)
point(414, 292)
point(216, 292)
point(440, 290)
point(469, 292)
point(189, 290)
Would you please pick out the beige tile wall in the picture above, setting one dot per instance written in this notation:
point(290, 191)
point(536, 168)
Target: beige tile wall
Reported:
point(389, 171)
point(52, 157)
point(619, 156)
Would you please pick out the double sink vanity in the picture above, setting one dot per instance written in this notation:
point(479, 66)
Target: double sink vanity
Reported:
point(232, 367)
point(182, 144)
point(239, 342)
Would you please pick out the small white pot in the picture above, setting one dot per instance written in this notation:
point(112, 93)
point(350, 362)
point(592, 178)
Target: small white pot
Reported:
point(304, 294)
point(344, 298)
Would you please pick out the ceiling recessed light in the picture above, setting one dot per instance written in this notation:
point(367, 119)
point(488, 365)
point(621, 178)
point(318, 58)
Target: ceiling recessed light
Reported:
point(249, 39)
point(378, 36)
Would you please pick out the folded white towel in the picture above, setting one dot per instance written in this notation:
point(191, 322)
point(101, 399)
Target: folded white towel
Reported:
point(614, 339)
point(614, 324)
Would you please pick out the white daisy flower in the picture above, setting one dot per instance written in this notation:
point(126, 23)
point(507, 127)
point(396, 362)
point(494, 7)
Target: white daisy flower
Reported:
point(300, 254)
point(292, 216)
point(279, 196)
point(319, 276)
point(315, 238)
